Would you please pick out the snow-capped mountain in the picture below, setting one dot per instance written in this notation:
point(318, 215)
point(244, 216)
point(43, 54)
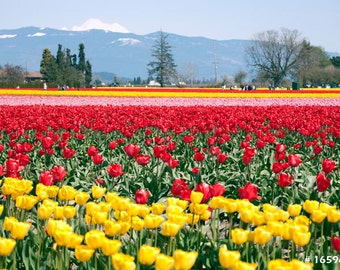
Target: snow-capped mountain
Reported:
point(120, 52)
point(97, 24)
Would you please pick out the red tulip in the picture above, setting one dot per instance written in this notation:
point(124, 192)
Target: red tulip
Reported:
point(1, 147)
point(217, 189)
point(212, 140)
point(148, 141)
point(2, 172)
point(188, 139)
point(317, 149)
point(97, 159)
point(58, 173)
point(205, 189)
point(46, 178)
point(142, 159)
point(260, 144)
point(92, 150)
point(47, 142)
point(112, 145)
point(328, 165)
point(221, 158)
point(249, 192)
point(277, 167)
point(171, 145)
point(294, 160)
point(131, 149)
point(336, 243)
point(280, 148)
point(115, 170)
point(185, 194)
point(322, 182)
point(177, 186)
point(195, 170)
point(215, 150)
point(158, 150)
point(198, 156)
point(284, 179)
point(173, 163)
point(68, 152)
point(142, 196)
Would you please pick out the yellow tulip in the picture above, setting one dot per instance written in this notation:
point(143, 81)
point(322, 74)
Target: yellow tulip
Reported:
point(120, 203)
point(275, 227)
point(258, 219)
point(153, 221)
point(45, 212)
point(246, 215)
point(112, 228)
point(67, 193)
point(69, 211)
point(53, 225)
point(217, 202)
point(98, 192)
point(302, 220)
point(318, 216)
point(278, 264)
point(99, 217)
point(75, 240)
point(6, 246)
point(94, 238)
point(81, 197)
point(333, 215)
point(91, 208)
point(192, 219)
point(262, 235)
point(1, 209)
point(228, 258)
point(298, 265)
point(133, 209)
point(325, 207)
point(8, 223)
point(170, 228)
point(239, 236)
point(147, 254)
point(104, 206)
point(122, 216)
point(198, 209)
point(230, 205)
point(174, 209)
point(301, 238)
point(137, 223)
point(270, 208)
point(196, 197)
point(244, 266)
point(310, 205)
point(123, 261)
point(59, 212)
point(184, 260)
point(124, 227)
point(50, 203)
point(294, 209)
point(110, 196)
point(157, 208)
point(282, 215)
point(83, 253)
point(20, 229)
point(26, 202)
point(143, 210)
point(62, 237)
point(110, 247)
point(164, 262)
point(206, 215)
point(179, 219)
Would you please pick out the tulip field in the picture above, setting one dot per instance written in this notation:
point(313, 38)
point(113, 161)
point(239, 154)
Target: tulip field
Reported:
point(97, 180)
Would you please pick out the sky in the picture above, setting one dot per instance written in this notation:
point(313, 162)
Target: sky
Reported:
point(317, 21)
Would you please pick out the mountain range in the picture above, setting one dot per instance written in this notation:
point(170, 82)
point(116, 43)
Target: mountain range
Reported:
point(122, 53)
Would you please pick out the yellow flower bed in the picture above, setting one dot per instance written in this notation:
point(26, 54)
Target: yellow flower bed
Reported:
point(175, 93)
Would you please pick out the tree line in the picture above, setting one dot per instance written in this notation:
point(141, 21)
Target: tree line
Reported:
point(275, 57)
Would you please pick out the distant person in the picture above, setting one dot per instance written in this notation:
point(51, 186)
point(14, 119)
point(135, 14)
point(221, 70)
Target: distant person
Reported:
point(45, 86)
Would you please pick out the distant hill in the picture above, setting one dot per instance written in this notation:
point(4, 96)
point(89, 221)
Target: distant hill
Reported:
point(123, 54)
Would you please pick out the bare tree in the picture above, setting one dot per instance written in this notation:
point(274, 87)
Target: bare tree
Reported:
point(187, 73)
point(239, 77)
point(275, 54)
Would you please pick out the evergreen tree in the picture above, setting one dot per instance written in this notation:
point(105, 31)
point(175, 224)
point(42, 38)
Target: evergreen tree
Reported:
point(163, 67)
point(81, 57)
point(88, 74)
point(48, 66)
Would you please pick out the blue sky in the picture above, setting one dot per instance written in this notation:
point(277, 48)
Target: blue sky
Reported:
point(217, 19)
